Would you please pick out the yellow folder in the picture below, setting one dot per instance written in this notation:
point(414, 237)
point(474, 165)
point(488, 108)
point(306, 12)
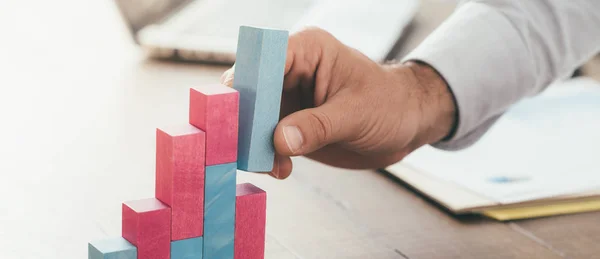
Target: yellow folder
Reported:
point(560, 208)
point(458, 200)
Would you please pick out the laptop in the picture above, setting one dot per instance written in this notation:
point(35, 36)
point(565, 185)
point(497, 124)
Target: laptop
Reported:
point(207, 30)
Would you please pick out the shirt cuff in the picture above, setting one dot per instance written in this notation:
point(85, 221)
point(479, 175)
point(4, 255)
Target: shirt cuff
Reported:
point(485, 63)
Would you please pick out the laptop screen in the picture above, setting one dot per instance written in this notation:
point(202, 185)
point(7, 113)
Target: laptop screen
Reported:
point(140, 13)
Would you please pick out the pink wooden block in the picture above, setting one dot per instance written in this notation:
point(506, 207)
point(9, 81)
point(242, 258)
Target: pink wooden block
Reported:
point(250, 220)
point(180, 178)
point(214, 109)
point(147, 225)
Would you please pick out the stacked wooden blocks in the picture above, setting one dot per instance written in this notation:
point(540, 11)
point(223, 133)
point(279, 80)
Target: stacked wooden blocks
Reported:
point(198, 210)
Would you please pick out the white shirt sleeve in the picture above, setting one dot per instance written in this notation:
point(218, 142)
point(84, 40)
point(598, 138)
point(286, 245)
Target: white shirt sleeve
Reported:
point(492, 53)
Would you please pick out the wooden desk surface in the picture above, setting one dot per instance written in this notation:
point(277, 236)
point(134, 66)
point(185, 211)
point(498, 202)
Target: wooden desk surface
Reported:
point(79, 106)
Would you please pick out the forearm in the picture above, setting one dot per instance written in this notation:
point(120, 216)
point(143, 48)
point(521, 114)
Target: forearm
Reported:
point(494, 53)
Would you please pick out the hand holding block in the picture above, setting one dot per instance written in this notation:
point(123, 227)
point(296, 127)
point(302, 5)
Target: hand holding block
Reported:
point(147, 225)
point(180, 178)
point(259, 68)
point(214, 109)
point(219, 211)
point(250, 220)
point(114, 248)
point(187, 248)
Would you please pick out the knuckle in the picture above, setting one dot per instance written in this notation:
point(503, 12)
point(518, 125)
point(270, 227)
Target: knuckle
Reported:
point(312, 31)
point(314, 34)
point(317, 32)
point(322, 126)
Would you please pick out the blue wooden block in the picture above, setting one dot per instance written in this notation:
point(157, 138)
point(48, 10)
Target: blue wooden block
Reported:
point(187, 248)
point(259, 69)
point(219, 211)
point(114, 248)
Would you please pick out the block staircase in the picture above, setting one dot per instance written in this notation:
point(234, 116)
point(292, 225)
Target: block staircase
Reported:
point(198, 210)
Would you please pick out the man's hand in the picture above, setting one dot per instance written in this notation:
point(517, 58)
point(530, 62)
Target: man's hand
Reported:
point(340, 108)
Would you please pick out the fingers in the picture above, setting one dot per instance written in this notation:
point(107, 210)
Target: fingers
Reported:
point(306, 49)
point(227, 77)
point(282, 167)
point(307, 130)
point(337, 156)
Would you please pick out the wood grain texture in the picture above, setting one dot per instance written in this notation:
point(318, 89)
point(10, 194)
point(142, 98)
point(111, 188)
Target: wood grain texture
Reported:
point(250, 221)
point(180, 178)
point(214, 109)
point(147, 225)
point(259, 68)
point(187, 248)
point(361, 214)
point(573, 236)
point(112, 248)
point(219, 211)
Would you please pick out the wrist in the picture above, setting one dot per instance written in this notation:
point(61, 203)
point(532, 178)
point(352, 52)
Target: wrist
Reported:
point(439, 114)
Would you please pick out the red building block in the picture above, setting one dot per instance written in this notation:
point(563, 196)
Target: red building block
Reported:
point(214, 109)
point(147, 225)
point(250, 220)
point(180, 178)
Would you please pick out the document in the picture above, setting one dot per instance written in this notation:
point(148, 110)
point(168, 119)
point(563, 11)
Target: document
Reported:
point(545, 146)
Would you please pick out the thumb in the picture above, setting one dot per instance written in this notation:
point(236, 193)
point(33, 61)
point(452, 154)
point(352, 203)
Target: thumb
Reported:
point(308, 130)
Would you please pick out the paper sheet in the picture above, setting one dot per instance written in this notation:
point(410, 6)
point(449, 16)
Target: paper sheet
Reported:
point(542, 147)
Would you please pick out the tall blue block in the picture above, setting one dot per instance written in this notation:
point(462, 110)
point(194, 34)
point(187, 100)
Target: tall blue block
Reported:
point(259, 69)
point(114, 248)
point(219, 211)
point(187, 248)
